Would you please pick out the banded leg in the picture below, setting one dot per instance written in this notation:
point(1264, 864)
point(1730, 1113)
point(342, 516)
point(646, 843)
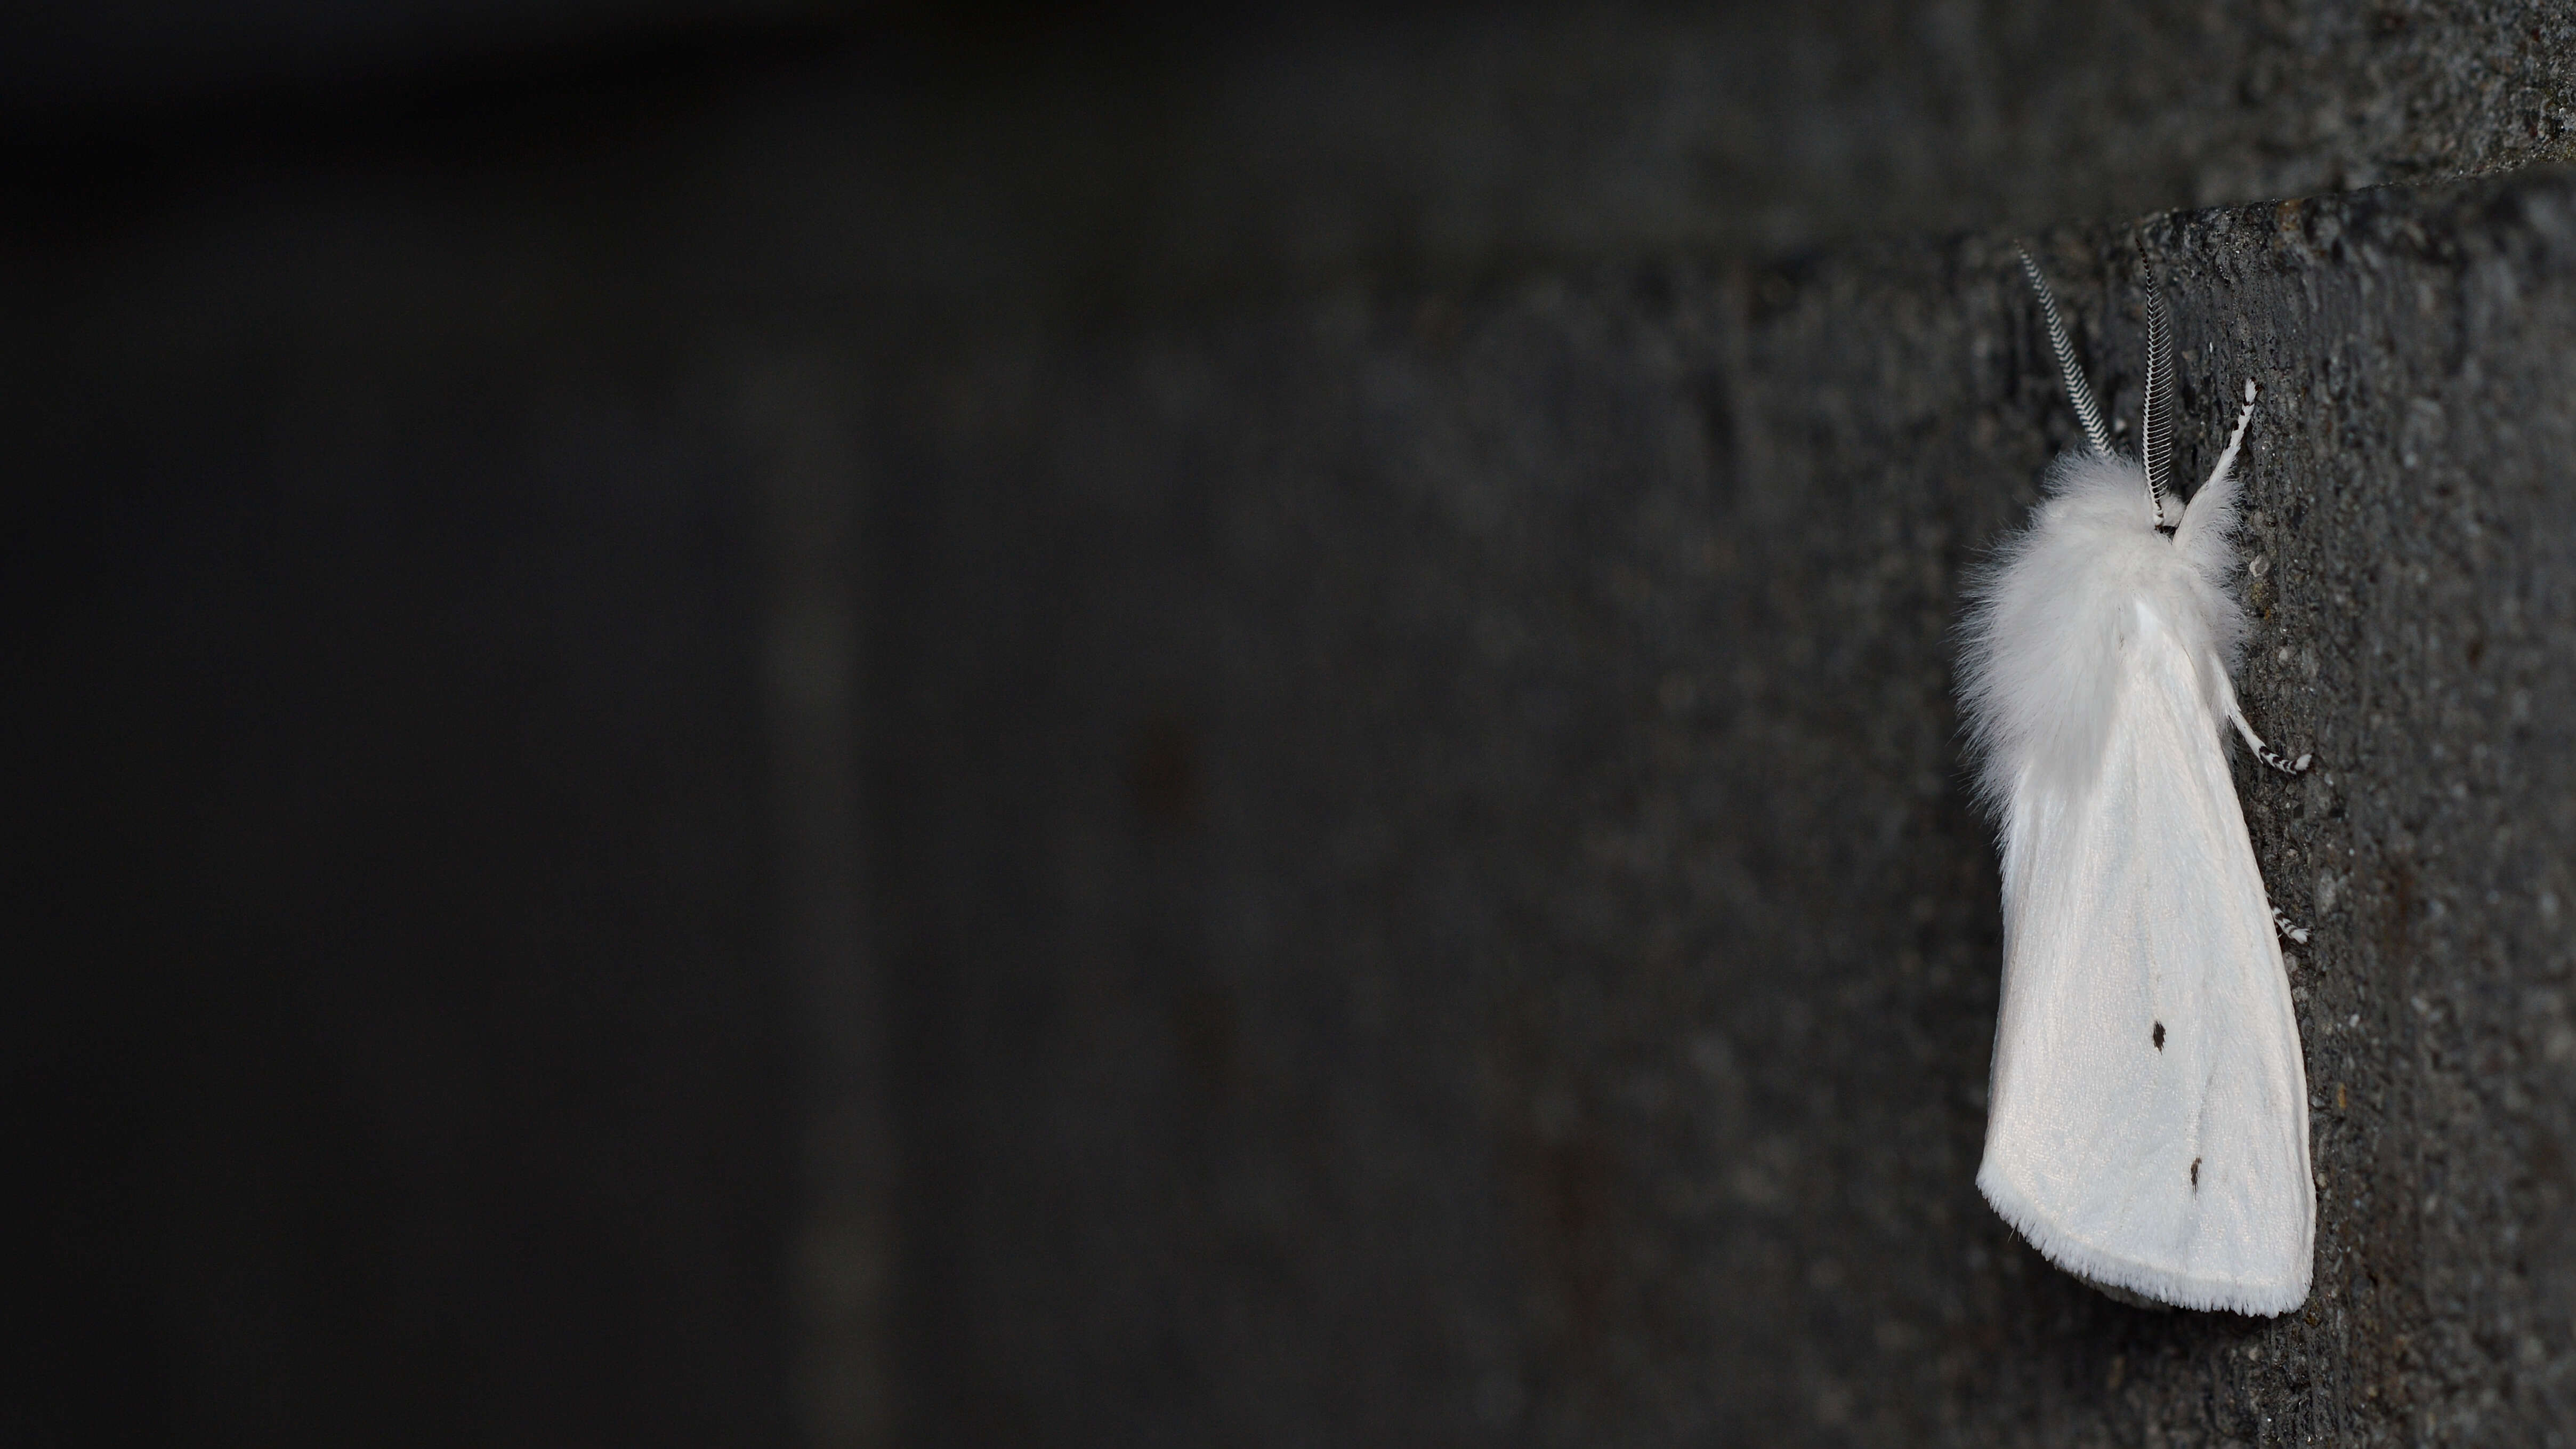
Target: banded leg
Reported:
point(2288, 927)
point(2262, 751)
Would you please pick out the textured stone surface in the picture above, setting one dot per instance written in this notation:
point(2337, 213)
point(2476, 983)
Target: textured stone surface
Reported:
point(1426, 844)
point(1158, 167)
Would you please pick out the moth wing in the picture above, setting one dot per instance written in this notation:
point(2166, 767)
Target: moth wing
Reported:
point(2148, 1120)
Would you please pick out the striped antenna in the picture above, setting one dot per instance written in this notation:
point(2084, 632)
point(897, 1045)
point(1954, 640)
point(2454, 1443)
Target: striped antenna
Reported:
point(2156, 414)
point(2078, 391)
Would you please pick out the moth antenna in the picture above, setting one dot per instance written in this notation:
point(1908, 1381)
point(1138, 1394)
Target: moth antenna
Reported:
point(2078, 391)
point(2156, 414)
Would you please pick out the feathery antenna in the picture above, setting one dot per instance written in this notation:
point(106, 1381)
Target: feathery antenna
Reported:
point(2078, 391)
point(2156, 414)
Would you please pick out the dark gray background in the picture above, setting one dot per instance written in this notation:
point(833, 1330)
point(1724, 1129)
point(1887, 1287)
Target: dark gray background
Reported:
point(887, 727)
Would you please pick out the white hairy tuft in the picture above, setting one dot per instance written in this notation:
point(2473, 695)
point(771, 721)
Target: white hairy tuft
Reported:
point(2050, 612)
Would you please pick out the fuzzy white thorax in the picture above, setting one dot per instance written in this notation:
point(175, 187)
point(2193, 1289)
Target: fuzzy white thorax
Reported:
point(2050, 612)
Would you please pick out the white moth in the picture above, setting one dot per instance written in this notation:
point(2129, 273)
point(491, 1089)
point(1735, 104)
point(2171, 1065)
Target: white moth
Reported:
point(2147, 1126)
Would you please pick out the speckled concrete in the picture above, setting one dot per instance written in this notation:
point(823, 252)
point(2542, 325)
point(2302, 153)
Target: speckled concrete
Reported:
point(1173, 168)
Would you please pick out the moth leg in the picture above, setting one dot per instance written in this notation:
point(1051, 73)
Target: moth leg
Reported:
point(2288, 927)
point(2235, 439)
point(2263, 752)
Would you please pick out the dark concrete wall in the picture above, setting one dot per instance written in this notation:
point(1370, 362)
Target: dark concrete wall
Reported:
point(396, 1054)
point(1197, 159)
point(1137, 731)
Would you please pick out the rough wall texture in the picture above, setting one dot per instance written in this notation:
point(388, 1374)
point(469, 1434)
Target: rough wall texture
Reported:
point(1426, 840)
point(1187, 165)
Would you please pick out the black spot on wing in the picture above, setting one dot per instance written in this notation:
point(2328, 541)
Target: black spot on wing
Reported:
point(2159, 1037)
point(2195, 1174)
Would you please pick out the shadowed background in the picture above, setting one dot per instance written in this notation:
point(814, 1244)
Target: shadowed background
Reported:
point(887, 727)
